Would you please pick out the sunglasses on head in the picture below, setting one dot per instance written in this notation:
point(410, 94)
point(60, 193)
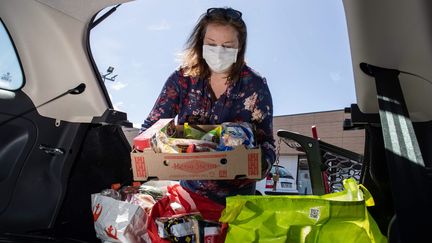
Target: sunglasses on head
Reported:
point(227, 12)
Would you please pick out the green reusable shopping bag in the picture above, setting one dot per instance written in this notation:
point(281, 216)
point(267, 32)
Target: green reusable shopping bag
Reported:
point(336, 217)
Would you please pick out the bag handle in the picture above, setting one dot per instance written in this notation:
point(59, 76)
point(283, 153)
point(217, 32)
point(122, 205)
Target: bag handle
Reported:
point(367, 196)
point(230, 213)
point(180, 200)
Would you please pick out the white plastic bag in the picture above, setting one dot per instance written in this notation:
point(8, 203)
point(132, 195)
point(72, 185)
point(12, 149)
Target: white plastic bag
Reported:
point(118, 221)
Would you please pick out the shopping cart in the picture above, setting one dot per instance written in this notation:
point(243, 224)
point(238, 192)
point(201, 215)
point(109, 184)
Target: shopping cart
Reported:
point(328, 164)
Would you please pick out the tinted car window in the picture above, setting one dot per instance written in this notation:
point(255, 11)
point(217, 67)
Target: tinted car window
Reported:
point(11, 77)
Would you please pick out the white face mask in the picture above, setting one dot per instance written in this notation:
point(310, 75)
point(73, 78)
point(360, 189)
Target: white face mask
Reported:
point(219, 58)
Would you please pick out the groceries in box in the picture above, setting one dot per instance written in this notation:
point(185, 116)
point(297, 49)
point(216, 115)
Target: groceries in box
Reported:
point(167, 151)
point(143, 141)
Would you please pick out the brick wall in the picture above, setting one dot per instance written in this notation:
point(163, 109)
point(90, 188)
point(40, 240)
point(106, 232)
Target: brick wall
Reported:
point(329, 127)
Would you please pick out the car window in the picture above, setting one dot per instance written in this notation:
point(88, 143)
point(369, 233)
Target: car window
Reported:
point(283, 172)
point(11, 77)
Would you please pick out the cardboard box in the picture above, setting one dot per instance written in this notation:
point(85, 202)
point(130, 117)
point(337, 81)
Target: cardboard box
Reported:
point(220, 165)
point(237, 163)
point(143, 140)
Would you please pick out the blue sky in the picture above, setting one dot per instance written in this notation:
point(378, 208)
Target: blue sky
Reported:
point(301, 47)
point(10, 71)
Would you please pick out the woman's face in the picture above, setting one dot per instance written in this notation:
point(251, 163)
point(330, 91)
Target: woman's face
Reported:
point(221, 35)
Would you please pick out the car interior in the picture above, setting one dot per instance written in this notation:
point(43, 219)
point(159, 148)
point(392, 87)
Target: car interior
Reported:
point(61, 139)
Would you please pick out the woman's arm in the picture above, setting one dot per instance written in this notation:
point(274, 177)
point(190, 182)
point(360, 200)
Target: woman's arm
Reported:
point(262, 117)
point(167, 104)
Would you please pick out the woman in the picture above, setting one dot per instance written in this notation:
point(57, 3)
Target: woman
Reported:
point(214, 85)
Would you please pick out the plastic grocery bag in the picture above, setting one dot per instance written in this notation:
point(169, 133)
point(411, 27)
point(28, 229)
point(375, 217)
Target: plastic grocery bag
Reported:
point(337, 217)
point(118, 221)
point(182, 204)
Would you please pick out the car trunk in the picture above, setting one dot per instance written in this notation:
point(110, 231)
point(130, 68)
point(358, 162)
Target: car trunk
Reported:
point(60, 138)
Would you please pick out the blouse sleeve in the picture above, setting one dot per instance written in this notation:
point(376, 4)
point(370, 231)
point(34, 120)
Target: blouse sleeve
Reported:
point(167, 104)
point(262, 117)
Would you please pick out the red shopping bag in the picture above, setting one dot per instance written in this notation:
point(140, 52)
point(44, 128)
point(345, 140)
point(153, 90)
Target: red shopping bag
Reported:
point(180, 202)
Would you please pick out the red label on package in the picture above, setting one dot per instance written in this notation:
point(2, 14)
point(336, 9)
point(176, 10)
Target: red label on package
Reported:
point(140, 166)
point(253, 164)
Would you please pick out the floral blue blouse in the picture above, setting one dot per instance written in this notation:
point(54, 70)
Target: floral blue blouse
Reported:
point(192, 99)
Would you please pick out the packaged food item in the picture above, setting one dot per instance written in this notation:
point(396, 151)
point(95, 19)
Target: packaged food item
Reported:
point(154, 192)
point(210, 232)
point(127, 192)
point(192, 132)
point(213, 135)
point(236, 134)
point(145, 201)
point(116, 186)
point(179, 229)
point(159, 186)
point(111, 193)
point(179, 145)
point(143, 140)
point(191, 148)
